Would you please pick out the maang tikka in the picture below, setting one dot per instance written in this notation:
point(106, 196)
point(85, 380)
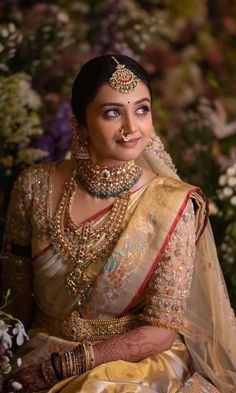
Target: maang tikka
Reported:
point(79, 147)
point(123, 79)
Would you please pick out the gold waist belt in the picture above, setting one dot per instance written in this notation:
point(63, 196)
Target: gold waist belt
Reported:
point(75, 328)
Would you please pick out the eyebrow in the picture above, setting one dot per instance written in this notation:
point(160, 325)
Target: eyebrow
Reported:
point(118, 104)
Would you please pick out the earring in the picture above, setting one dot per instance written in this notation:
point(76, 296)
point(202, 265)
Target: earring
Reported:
point(124, 134)
point(79, 145)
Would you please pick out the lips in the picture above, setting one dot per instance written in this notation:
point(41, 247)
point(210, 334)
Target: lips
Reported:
point(133, 140)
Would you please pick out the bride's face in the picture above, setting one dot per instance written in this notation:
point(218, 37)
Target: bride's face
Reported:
point(111, 110)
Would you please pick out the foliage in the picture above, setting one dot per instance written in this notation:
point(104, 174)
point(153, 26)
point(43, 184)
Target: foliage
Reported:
point(19, 125)
point(226, 213)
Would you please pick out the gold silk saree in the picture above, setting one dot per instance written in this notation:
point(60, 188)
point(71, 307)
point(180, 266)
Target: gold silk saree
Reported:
point(147, 279)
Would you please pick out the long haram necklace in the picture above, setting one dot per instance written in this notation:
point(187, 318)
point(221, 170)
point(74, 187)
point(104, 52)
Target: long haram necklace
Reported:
point(106, 182)
point(84, 243)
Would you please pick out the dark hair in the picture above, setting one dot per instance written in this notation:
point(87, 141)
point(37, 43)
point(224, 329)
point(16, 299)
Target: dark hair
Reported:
point(92, 76)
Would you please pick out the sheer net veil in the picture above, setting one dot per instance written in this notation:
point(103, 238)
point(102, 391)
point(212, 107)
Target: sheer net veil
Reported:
point(210, 330)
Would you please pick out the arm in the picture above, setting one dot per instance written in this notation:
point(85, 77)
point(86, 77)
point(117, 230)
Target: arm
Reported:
point(15, 257)
point(134, 345)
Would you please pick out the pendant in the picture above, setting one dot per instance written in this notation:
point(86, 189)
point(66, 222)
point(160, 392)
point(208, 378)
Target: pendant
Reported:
point(79, 284)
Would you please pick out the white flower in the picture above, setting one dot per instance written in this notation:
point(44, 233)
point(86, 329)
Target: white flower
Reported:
point(5, 337)
point(4, 33)
point(12, 27)
point(222, 180)
point(63, 17)
point(231, 171)
point(233, 200)
point(19, 330)
point(213, 210)
point(223, 247)
point(17, 385)
point(34, 101)
point(29, 96)
point(19, 362)
point(232, 181)
point(227, 191)
point(220, 195)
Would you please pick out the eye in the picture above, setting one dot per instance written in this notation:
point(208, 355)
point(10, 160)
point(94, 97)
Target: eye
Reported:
point(143, 110)
point(113, 112)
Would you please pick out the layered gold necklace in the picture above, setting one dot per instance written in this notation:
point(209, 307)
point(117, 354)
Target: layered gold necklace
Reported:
point(84, 243)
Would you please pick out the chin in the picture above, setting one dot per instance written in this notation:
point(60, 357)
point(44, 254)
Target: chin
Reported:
point(126, 157)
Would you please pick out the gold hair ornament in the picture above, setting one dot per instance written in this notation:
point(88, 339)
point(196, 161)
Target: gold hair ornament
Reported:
point(123, 79)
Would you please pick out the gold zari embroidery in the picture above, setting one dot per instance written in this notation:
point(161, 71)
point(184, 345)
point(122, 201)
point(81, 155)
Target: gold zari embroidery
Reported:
point(167, 292)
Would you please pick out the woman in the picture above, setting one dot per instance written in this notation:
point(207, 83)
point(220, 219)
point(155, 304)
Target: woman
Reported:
point(123, 269)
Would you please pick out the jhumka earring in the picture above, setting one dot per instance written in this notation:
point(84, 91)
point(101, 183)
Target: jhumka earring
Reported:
point(79, 148)
point(124, 134)
point(123, 79)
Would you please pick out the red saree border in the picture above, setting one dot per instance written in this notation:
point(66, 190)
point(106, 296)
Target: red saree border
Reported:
point(157, 259)
point(40, 253)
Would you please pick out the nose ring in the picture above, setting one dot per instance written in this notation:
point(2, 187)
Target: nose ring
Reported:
point(124, 134)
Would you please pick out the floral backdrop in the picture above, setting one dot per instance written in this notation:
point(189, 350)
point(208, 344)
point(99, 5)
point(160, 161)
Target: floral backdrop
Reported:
point(188, 48)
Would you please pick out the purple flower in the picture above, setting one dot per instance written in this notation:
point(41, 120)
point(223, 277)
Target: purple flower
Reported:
point(57, 138)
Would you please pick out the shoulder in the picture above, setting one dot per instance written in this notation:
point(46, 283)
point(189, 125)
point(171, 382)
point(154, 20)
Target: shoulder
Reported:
point(171, 185)
point(37, 170)
point(179, 194)
point(33, 175)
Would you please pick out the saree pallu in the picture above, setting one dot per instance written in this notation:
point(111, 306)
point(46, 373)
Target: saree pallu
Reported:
point(145, 238)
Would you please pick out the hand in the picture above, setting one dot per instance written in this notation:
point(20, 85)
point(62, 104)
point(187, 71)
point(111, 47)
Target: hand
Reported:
point(31, 379)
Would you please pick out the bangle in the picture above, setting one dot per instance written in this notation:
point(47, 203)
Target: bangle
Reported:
point(91, 355)
point(54, 357)
point(76, 361)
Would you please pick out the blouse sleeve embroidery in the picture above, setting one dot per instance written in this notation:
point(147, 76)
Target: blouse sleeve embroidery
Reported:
point(28, 208)
point(15, 256)
point(18, 222)
point(26, 218)
point(167, 292)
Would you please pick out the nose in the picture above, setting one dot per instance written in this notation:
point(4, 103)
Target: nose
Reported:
point(130, 124)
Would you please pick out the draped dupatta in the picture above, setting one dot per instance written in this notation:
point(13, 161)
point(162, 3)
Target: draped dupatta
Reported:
point(210, 329)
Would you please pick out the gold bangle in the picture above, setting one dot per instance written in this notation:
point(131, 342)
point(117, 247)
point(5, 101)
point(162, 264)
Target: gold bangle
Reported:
point(92, 355)
point(63, 366)
point(78, 360)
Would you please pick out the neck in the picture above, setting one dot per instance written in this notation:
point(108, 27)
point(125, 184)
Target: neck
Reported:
point(106, 162)
point(103, 181)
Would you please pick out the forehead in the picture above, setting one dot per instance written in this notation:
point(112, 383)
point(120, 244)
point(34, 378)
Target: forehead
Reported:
point(106, 93)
